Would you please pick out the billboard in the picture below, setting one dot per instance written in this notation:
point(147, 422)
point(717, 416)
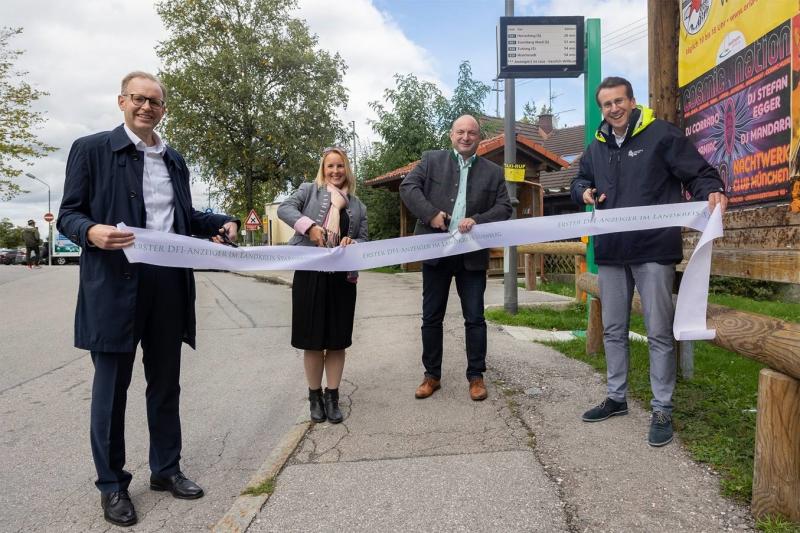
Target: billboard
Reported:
point(737, 84)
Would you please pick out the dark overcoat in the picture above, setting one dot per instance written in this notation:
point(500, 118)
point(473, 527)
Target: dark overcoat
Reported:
point(432, 186)
point(104, 186)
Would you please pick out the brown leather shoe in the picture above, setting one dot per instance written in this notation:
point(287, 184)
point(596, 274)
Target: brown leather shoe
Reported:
point(429, 386)
point(477, 389)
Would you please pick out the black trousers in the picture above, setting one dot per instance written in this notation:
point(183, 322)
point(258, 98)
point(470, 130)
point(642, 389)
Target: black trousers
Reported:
point(471, 284)
point(159, 325)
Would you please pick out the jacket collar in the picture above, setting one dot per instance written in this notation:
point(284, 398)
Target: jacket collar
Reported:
point(641, 117)
point(119, 139)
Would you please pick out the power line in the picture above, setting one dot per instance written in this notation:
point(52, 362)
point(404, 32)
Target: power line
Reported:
point(624, 43)
point(625, 26)
point(623, 36)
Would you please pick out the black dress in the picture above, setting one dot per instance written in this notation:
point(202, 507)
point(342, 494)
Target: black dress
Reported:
point(323, 305)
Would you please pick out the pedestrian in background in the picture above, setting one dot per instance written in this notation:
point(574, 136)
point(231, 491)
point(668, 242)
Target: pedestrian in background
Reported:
point(30, 236)
point(639, 160)
point(130, 175)
point(325, 213)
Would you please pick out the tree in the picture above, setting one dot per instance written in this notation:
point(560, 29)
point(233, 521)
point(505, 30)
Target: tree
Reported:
point(252, 102)
point(18, 142)
point(408, 123)
point(10, 235)
point(529, 113)
point(467, 99)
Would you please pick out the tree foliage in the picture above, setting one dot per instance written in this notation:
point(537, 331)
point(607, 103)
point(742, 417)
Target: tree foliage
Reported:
point(467, 99)
point(252, 101)
point(413, 117)
point(530, 114)
point(10, 235)
point(18, 142)
point(408, 123)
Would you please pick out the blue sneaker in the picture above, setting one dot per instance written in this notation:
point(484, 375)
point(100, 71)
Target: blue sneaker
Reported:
point(660, 429)
point(605, 410)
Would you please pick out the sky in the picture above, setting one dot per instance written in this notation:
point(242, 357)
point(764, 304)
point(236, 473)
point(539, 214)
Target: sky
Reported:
point(79, 53)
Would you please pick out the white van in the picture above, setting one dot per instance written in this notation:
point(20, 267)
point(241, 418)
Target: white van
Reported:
point(63, 250)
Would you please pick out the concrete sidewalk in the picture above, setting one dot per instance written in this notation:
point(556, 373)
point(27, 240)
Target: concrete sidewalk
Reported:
point(520, 461)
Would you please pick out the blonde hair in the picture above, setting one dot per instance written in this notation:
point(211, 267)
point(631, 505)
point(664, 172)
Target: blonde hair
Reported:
point(141, 74)
point(351, 179)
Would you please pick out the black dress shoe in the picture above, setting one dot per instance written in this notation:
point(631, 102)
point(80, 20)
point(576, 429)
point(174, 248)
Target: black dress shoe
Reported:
point(178, 485)
point(118, 508)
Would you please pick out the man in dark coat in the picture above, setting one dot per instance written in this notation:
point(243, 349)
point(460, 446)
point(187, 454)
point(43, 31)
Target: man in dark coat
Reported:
point(452, 190)
point(129, 175)
point(639, 160)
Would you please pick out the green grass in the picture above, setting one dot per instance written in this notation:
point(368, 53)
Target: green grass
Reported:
point(265, 487)
point(776, 524)
point(714, 412)
point(783, 310)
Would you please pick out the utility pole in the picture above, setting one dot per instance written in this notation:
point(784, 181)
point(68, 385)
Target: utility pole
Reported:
point(510, 151)
point(355, 155)
point(497, 90)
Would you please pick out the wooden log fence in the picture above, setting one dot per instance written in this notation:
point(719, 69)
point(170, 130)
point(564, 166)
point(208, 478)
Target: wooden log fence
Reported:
point(776, 344)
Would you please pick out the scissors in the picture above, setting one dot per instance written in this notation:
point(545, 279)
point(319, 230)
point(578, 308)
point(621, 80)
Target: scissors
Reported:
point(593, 192)
point(226, 240)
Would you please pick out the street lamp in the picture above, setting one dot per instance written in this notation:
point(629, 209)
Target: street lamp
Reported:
point(49, 224)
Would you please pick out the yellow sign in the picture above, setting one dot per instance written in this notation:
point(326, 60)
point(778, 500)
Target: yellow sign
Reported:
point(714, 30)
point(514, 172)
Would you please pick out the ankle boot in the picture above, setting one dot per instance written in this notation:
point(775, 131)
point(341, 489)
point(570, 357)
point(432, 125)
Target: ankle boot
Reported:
point(317, 407)
point(332, 406)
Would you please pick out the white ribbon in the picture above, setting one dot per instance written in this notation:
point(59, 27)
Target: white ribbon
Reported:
point(169, 249)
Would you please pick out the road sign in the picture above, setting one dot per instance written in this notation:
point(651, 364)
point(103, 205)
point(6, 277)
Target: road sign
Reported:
point(540, 47)
point(48, 217)
point(253, 221)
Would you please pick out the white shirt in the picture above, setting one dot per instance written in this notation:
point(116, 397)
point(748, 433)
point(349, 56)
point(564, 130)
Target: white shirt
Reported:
point(157, 191)
point(619, 138)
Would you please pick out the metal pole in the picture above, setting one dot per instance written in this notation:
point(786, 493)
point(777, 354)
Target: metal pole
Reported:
point(510, 151)
point(49, 224)
point(355, 155)
point(49, 233)
point(592, 116)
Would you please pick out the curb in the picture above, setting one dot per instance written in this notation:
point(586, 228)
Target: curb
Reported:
point(246, 507)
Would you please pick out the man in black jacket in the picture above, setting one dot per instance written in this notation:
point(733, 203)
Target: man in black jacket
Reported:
point(452, 190)
point(130, 175)
point(638, 160)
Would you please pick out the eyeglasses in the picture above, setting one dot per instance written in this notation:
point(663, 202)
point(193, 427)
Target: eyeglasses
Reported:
point(333, 148)
point(139, 100)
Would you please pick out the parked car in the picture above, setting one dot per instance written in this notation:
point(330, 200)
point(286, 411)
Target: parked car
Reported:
point(21, 258)
point(8, 256)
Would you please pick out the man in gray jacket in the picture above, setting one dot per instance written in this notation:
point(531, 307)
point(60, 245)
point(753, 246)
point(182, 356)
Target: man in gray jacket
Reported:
point(448, 191)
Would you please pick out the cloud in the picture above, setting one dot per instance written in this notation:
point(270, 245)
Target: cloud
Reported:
point(374, 48)
point(79, 51)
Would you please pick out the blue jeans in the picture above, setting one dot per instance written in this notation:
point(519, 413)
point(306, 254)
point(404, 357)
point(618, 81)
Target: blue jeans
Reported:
point(471, 284)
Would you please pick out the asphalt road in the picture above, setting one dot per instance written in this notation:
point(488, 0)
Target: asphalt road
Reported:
point(241, 391)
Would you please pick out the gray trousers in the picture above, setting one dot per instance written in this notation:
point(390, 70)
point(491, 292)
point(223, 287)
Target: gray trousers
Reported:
point(654, 282)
